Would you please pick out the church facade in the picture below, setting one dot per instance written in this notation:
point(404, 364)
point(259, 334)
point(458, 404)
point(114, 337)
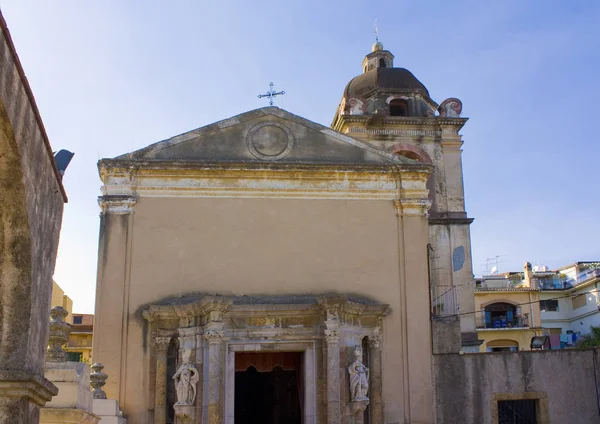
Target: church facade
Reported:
point(269, 269)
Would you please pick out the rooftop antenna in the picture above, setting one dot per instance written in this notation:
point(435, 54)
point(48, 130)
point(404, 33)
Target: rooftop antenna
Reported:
point(376, 26)
point(491, 264)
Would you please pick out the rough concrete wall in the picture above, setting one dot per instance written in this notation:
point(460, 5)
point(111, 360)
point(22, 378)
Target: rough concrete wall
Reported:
point(466, 384)
point(31, 208)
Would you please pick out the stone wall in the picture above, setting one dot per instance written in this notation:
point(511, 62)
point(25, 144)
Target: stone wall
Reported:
point(31, 206)
point(566, 383)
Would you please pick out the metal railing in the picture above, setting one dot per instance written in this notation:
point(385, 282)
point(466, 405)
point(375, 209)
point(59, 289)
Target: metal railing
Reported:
point(444, 300)
point(557, 283)
point(519, 321)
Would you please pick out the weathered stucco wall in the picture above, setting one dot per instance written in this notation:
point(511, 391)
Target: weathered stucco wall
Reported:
point(31, 205)
point(569, 379)
point(169, 247)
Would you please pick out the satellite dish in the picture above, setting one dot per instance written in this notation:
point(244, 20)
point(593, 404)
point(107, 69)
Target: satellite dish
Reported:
point(494, 270)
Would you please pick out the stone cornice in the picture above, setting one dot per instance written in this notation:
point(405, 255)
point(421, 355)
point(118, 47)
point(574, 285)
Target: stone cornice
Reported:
point(209, 306)
point(68, 415)
point(109, 166)
point(451, 221)
point(434, 122)
point(272, 180)
point(26, 385)
point(340, 306)
point(116, 205)
point(412, 207)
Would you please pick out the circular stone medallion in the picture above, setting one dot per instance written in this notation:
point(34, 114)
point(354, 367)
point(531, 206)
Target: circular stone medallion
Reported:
point(269, 141)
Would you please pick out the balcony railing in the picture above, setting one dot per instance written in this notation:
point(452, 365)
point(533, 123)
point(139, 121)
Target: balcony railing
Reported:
point(568, 283)
point(520, 321)
point(495, 284)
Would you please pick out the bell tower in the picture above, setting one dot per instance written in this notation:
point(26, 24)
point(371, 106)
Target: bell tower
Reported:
point(392, 110)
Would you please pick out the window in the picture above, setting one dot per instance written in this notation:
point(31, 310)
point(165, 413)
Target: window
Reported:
point(521, 411)
point(74, 356)
point(550, 305)
point(579, 301)
point(381, 63)
point(77, 319)
point(502, 315)
point(398, 107)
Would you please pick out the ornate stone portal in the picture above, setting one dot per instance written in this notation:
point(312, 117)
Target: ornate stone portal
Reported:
point(211, 330)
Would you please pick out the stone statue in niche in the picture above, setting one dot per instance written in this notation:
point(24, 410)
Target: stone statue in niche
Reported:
point(450, 108)
point(186, 378)
point(359, 377)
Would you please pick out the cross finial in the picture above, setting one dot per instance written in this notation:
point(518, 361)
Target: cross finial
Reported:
point(376, 26)
point(271, 93)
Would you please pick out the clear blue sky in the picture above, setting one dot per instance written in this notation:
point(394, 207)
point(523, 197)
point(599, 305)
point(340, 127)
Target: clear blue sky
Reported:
point(114, 76)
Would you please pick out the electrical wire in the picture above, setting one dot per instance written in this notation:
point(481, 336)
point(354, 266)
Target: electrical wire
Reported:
point(529, 303)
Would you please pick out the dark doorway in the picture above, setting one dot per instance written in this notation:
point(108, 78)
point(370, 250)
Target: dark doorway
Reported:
point(522, 411)
point(271, 395)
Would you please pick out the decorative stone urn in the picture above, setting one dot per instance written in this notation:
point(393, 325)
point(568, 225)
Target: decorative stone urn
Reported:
point(97, 380)
point(59, 335)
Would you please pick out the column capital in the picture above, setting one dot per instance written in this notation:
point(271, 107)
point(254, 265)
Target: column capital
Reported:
point(375, 340)
point(162, 343)
point(332, 336)
point(116, 205)
point(412, 207)
point(213, 335)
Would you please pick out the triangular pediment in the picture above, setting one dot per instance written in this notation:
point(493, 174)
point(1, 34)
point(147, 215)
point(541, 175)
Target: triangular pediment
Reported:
point(268, 134)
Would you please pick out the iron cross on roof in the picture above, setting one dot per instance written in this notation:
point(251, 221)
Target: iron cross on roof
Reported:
point(271, 93)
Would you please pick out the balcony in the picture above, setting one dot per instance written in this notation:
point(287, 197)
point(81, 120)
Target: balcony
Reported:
point(501, 322)
point(557, 283)
point(496, 284)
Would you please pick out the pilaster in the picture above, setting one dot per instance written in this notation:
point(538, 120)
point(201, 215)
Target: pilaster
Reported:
point(213, 411)
point(332, 338)
point(160, 390)
point(114, 259)
point(376, 389)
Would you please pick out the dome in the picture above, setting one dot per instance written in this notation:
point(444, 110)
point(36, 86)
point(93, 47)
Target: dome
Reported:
point(385, 79)
point(377, 47)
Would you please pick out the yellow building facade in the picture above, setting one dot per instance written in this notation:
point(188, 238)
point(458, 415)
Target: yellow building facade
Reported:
point(507, 314)
point(79, 346)
point(59, 298)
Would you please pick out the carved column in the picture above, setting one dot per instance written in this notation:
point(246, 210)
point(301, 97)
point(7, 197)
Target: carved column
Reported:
point(376, 383)
point(332, 337)
point(160, 390)
point(214, 337)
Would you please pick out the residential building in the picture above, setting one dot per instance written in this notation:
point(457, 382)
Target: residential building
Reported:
point(569, 301)
point(507, 312)
point(59, 298)
point(514, 306)
point(79, 346)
